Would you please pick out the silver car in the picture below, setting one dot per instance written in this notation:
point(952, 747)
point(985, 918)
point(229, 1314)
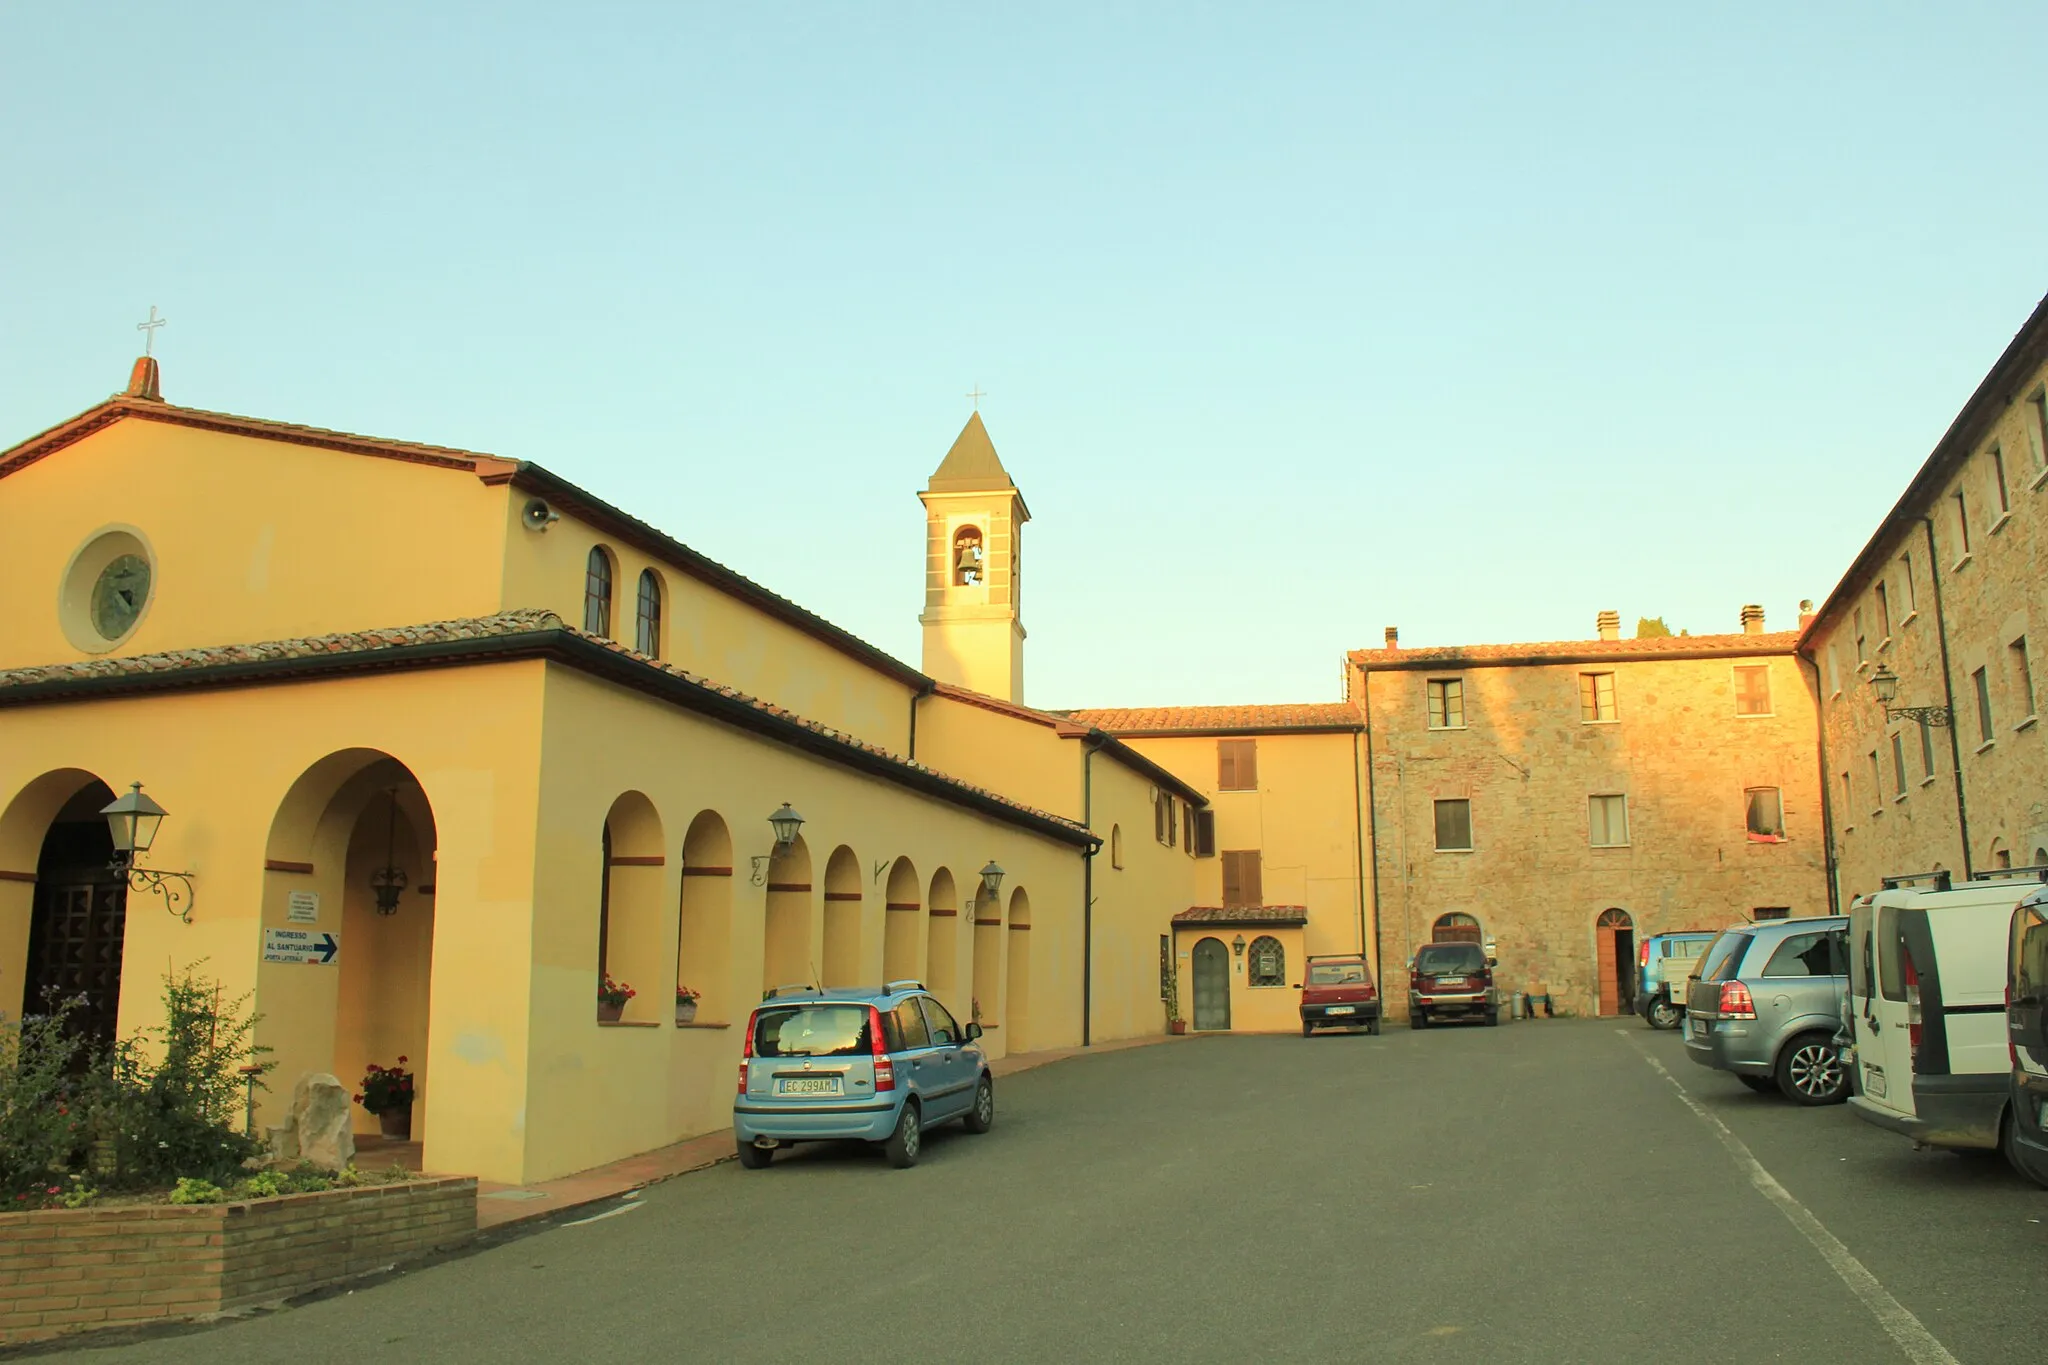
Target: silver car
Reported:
point(1766, 1003)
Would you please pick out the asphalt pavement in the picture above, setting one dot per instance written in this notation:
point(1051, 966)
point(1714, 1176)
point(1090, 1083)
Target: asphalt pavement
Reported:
point(1540, 1191)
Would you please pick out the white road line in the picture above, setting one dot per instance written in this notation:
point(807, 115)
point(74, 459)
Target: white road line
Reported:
point(1909, 1332)
point(600, 1217)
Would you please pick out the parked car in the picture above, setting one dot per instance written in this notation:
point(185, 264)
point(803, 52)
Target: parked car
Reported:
point(1662, 965)
point(1766, 1004)
point(2026, 1025)
point(1451, 981)
point(1927, 977)
point(1338, 992)
point(879, 1066)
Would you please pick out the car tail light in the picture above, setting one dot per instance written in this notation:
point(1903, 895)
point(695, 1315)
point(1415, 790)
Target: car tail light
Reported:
point(747, 1051)
point(1736, 1002)
point(885, 1070)
point(1913, 1019)
point(1643, 954)
point(1414, 979)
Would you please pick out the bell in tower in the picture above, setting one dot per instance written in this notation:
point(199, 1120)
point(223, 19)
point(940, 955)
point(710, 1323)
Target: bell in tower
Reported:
point(967, 557)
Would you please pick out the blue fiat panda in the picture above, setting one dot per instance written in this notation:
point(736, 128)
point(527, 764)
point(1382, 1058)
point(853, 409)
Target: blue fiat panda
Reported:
point(876, 1066)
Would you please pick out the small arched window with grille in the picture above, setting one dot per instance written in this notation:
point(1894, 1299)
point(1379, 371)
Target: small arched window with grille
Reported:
point(597, 592)
point(1269, 961)
point(1455, 928)
point(647, 615)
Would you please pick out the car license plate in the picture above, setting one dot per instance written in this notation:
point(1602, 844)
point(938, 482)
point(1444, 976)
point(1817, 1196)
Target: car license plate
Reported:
point(809, 1085)
point(1450, 981)
point(1341, 1009)
point(1873, 1081)
point(1701, 1027)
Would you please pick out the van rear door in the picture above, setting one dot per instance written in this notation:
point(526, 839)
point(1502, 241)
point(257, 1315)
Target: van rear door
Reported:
point(1885, 1042)
point(2026, 1011)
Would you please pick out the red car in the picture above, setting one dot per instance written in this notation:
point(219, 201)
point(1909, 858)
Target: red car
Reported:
point(1338, 993)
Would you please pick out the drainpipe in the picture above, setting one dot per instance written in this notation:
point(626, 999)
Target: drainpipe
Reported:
point(1379, 918)
point(1358, 809)
point(1827, 802)
point(1088, 749)
point(1948, 694)
point(916, 697)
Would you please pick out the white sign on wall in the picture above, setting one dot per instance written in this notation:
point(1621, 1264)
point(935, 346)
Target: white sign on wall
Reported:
point(302, 907)
point(300, 945)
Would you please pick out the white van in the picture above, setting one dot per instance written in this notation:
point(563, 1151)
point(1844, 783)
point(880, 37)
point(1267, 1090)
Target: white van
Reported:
point(1927, 1005)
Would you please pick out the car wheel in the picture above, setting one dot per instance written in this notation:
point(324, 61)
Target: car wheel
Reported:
point(1373, 1028)
point(1663, 1014)
point(2025, 1162)
point(1307, 1028)
point(755, 1158)
point(1761, 1084)
point(1417, 1019)
point(903, 1146)
point(1493, 1018)
point(982, 1116)
point(1810, 1071)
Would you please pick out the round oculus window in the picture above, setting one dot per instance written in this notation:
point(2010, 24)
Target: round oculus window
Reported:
point(118, 595)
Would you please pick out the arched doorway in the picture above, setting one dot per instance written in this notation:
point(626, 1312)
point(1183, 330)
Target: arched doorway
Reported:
point(986, 1007)
point(942, 956)
point(1017, 987)
point(900, 939)
point(786, 955)
point(630, 916)
point(704, 930)
point(69, 907)
point(1456, 928)
point(1212, 984)
point(1615, 942)
point(842, 919)
point(351, 854)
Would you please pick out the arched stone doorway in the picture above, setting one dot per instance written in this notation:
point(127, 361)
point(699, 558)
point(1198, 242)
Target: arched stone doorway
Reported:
point(1456, 928)
point(1615, 946)
point(63, 908)
point(1017, 988)
point(1212, 984)
point(351, 855)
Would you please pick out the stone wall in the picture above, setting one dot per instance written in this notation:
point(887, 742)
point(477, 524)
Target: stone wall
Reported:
point(1529, 762)
point(65, 1270)
point(1917, 587)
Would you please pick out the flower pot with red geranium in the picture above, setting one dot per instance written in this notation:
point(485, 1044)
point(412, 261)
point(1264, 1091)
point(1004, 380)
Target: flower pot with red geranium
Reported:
point(611, 999)
point(387, 1093)
point(686, 1004)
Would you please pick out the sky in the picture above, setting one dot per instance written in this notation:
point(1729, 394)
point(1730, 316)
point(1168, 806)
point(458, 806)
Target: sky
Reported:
point(1295, 321)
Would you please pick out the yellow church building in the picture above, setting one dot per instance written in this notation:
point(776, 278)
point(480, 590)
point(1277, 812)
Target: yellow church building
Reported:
point(428, 782)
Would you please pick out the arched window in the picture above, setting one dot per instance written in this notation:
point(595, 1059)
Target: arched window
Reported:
point(1455, 928)
point(647, 634)
point(967, 556)
point(1116, 846)
point(597, 592)
point(1269, 961)
point(2001, 856)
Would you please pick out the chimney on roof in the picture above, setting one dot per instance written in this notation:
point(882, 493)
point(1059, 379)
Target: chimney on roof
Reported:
point(145, 381)
point(1805, 612)
point(1393, 637)
point(1752, 619)
point(1609, 624)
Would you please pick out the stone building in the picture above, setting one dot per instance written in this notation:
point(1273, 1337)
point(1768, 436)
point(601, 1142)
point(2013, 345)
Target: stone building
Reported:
point(1562, 800)
point(1938, 610)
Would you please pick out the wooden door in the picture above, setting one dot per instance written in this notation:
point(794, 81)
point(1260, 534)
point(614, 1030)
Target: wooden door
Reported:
point(75, 949)
point(1212, 984)
point(1609, 934)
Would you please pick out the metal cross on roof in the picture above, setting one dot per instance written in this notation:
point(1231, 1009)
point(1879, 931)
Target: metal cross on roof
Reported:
point(148, 329)
point(977, 395)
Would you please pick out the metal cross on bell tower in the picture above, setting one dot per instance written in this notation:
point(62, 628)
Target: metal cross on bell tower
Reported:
point(976, 395)
point(148, 330)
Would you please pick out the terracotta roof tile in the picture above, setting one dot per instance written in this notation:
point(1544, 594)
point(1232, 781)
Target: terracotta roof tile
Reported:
point(1567, 651)
point(1140, 720)
point(1243, 914)
point(503, 624)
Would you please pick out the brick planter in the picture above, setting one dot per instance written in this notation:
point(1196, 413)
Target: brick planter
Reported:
point(66, 1269)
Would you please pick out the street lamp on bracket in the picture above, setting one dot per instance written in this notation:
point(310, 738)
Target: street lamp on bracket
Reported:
point(1885, 684)
point(133, 821)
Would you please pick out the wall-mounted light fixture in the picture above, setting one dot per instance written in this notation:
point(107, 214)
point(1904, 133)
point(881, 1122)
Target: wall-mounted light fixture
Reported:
point(1237, 945)
point(786, 822)
point(133, 821)
point(387, 881)
point(1885, 684)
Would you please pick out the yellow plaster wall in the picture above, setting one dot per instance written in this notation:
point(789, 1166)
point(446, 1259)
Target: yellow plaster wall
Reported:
point(1022, 759)
point(706, 631)
point(222, 763)
point(1304, 819)
point(1134, 905)
point(251, 540)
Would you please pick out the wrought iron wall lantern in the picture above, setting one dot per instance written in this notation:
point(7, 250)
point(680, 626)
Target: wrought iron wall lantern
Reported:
point(992, 879)
point(786, 823)
point(388, 881)
point(1237, 945)
point(133, 820)
point(1885, 684)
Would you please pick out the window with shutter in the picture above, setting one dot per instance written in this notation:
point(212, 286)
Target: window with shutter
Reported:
point(1241, 878)
point(1205, 829)
point(1237, 765)
point(1454, 826)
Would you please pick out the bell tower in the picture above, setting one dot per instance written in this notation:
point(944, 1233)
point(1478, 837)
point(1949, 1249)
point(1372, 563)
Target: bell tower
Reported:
point(973, 520)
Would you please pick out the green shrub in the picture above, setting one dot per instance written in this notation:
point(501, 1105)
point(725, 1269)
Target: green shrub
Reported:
point(194, 1191)
point(264, 1185)
point(45, 1068)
